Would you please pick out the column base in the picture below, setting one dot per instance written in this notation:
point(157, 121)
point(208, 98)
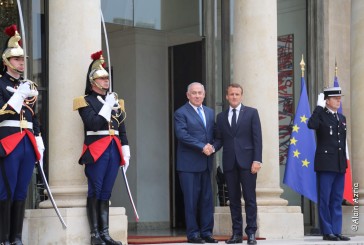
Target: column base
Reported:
point(42, 226)
point(351, 220)
point(274, 222)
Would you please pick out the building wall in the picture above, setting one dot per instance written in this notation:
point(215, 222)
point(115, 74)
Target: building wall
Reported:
point(140, 69)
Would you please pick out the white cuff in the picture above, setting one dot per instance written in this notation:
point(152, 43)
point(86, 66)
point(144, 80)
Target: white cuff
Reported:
point(105, 112)
point(40, 143)
point(16, 102)
point(126, 151)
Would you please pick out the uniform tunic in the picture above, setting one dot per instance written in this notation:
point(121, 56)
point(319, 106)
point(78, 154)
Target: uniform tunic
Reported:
point(330, 167)
point(18, 148)
point(101, 154)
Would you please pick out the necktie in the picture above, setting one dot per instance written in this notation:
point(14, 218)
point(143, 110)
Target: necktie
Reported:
point(233, 120)
point(199, 110)
point(336, 116)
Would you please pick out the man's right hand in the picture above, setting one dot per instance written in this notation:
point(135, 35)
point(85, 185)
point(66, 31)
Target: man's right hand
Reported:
point(20, 94)
point(208, 149)
point(321, 100)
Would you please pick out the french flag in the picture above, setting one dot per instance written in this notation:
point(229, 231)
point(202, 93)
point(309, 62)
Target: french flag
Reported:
point(348, 190)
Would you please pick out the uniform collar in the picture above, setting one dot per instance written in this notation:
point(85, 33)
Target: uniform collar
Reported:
point(331, 111)
point(11, 78)
point(97, 94)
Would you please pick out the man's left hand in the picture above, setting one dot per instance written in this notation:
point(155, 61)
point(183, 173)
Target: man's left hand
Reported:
point(255, 167)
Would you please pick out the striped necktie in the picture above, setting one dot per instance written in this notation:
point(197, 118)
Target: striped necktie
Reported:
point(199, 110)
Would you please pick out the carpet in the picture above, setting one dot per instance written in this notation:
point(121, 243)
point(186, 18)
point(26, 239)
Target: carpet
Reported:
point(168, 239)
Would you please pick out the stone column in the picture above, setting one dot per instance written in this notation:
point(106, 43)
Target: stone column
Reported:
point(74, 34)
point(255, 68)
point(351, 221)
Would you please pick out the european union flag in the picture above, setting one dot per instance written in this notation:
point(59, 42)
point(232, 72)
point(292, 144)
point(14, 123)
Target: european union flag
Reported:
point(299, 173)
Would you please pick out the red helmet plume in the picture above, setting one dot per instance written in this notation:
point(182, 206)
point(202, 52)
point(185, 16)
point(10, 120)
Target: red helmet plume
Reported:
point(10, 30)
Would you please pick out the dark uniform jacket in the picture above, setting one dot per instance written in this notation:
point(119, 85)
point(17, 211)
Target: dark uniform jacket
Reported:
point(10, 136)
point(331, 140)
point(94, 145)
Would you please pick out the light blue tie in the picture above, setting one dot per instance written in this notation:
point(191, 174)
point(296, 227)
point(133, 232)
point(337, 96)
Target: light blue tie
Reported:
point(199, 110)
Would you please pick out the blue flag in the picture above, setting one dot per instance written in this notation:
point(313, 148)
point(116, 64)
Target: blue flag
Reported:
point(299, 173)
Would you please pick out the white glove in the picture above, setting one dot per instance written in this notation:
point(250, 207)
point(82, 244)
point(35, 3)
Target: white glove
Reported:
point(321, 101)
point(41, 148)
point(20, 94)
point(126, 153)
point(109, 104)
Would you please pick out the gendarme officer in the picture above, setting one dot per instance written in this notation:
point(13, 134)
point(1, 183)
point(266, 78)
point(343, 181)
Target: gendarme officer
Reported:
point(330, 161)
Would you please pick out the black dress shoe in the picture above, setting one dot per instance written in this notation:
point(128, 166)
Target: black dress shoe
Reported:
point(210, 239)
point(235, 239)
point(251, 239)
point(331, 237)
point(342, 238)
point(195, 240)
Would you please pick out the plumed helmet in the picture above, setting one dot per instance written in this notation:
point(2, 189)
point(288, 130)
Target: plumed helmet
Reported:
point(12, 46)
point(95, 70)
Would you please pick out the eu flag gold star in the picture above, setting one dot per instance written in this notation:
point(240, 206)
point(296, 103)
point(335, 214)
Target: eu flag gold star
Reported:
point(305, 163)
point(295, 128)
point(296, 153)
point(304, 119)
point(293, 141)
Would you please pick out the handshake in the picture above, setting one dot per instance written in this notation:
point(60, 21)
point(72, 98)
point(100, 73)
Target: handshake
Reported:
point(208, 149)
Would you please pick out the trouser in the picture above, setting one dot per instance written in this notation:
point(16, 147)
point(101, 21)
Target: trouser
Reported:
point(330, 188)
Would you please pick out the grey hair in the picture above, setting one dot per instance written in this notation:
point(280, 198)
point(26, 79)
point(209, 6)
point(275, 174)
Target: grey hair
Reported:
point(195, 83)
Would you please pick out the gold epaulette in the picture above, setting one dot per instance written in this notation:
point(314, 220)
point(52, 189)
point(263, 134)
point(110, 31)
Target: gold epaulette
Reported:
point(122, 105)
point(3, 111)
point(79, 102)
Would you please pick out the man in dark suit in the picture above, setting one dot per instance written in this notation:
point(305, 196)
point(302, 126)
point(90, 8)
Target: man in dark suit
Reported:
point(239, 133)
point(194, 127)
point(330, 162)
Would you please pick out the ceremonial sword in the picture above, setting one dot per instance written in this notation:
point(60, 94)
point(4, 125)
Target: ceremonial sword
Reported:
point(110, 78)
point(39, 165)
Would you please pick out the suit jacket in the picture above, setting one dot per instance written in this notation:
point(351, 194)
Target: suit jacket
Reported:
point(331, 140)
point(244, 145)
point(192, 136)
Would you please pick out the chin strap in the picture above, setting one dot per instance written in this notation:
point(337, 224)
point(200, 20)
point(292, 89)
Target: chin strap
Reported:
point(9, 65)
point(98, 85)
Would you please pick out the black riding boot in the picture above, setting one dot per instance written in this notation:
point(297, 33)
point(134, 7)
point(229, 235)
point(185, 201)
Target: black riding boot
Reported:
point(17, 217)
point(92, 215)
point(5, 221)
point(104, 223)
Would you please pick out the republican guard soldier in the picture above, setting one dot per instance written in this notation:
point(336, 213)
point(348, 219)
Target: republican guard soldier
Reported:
point(105, 147)
point(330, 161)
point(20, 142)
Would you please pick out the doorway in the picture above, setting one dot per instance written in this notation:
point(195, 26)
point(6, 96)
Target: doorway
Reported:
point(186, 65)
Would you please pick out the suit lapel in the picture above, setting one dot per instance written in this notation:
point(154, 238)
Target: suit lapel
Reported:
point(240, 118)
point(227, 124)
point(207, 116)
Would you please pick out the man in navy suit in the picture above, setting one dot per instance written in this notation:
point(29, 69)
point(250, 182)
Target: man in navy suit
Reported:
point(239, 133)
point(194, 127)
point(330, 162)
